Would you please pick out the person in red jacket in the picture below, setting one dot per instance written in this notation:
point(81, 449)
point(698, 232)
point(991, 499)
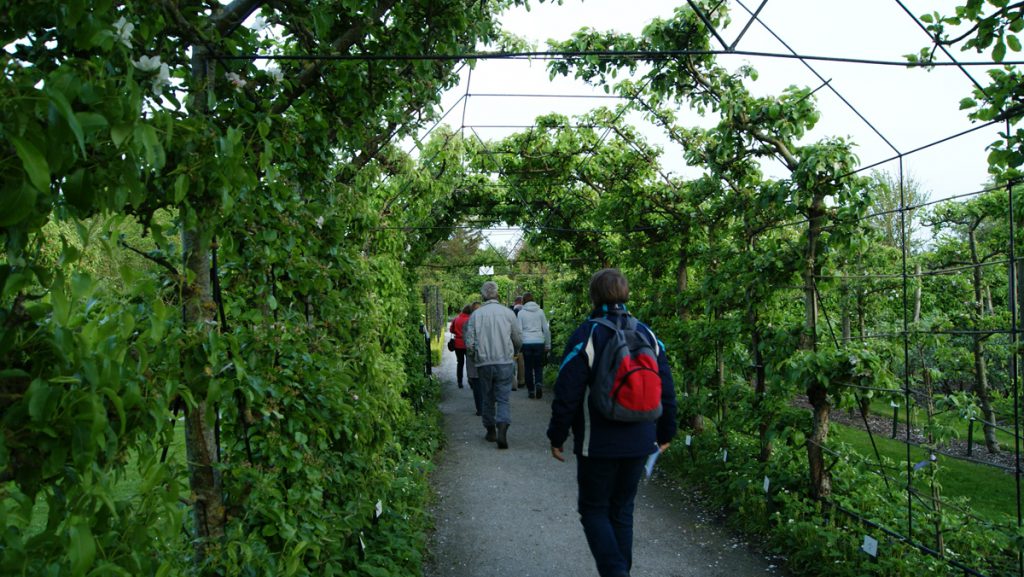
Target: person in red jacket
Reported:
point(458, 329)
point(610, 455)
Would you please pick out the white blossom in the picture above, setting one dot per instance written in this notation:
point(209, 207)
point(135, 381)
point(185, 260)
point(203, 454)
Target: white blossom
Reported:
point(237, 81)
point(124, 31)
point(163, 78)
point(275, 73)
point(259, 23)
point(320, 221)
point(147, 63)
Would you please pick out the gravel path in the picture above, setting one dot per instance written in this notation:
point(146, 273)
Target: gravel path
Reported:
point(512, 513)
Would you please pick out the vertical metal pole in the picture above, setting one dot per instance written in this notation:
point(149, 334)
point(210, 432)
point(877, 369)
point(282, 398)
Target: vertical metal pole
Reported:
point(906, 348)
point(1013, 350)
point(970, 437)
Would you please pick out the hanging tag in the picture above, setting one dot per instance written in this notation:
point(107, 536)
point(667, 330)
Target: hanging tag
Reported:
point(870, 546)
point(689, 440)
point(766, 483)
point(893, 404)
point(725, 455)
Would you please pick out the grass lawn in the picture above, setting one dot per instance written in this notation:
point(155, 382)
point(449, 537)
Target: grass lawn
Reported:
point(918, 417)
point(991, 491)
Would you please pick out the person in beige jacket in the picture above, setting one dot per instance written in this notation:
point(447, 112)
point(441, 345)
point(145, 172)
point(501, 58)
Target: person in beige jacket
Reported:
point(492, 340)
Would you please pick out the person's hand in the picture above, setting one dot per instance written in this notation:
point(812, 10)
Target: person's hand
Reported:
point(556, 452)
point(663, 447)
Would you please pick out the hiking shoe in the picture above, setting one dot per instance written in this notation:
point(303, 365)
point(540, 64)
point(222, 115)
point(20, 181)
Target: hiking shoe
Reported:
point(490, 436)
point(502, 435)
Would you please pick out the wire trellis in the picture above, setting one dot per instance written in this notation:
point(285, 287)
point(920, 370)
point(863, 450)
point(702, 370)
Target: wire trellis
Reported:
point(906, 333)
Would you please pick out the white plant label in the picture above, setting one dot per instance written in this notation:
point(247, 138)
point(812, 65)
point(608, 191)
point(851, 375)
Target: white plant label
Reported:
point(870, 546)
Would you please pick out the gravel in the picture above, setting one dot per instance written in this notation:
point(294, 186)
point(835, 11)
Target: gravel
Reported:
point(505, 513)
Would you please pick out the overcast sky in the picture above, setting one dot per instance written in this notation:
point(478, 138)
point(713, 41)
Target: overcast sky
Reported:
point(910, 108)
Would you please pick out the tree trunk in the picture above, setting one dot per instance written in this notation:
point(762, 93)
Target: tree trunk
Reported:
point(862, 323)
point(723, 407)
point(980, 369)
point(683, 286)
point(821, 481)
point(758, 377)
point(817, 394)
point(208, 509)
point(200, 318)
point(844, 292)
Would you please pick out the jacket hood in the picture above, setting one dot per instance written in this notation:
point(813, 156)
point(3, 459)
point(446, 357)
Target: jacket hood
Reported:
point(531, 306)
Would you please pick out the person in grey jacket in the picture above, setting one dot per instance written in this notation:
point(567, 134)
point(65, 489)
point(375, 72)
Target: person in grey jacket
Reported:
point(492, 340)
point(536, 343)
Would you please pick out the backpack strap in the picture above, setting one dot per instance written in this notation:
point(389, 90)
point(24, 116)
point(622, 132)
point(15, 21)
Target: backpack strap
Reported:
point(631, 323)
point(586, 348)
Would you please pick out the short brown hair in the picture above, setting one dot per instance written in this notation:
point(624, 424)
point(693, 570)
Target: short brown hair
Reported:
point(608, 287)
point(527, 298)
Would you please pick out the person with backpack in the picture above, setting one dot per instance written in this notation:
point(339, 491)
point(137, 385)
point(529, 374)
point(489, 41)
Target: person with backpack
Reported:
point(536, 343)
point(615, 393)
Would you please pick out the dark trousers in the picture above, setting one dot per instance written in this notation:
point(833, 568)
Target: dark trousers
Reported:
point(533, 358)
point(460, 357)
point(478, 396)
point(607, 493)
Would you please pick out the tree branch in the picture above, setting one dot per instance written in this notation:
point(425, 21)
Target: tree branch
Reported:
point(311, 72)
point(231, 16)
point(156, 259)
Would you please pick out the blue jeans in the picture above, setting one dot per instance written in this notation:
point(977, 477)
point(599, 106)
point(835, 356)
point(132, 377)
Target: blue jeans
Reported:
point(533, 357)
point(607, 493)
point(495, 388)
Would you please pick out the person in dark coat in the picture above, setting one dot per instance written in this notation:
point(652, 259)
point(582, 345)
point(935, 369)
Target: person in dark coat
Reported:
point(610, 455)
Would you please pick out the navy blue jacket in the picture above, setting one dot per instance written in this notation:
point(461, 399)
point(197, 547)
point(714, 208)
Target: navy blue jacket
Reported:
point(593, 434)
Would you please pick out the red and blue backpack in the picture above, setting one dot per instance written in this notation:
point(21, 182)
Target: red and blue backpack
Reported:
point(627, 384)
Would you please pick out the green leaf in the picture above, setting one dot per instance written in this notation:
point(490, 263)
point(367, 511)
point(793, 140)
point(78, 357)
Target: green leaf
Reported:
point(16, 204)
point(272, 302)
point(119, 133)
point(966, 103)
point(146, 134)
point(82, 548)
point(38, 396)
point(91, 121)
point(1013, 42)
point(60, 102)
point(34, 162)
point(999, 51)
point(118, 406)
point(180, 188)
